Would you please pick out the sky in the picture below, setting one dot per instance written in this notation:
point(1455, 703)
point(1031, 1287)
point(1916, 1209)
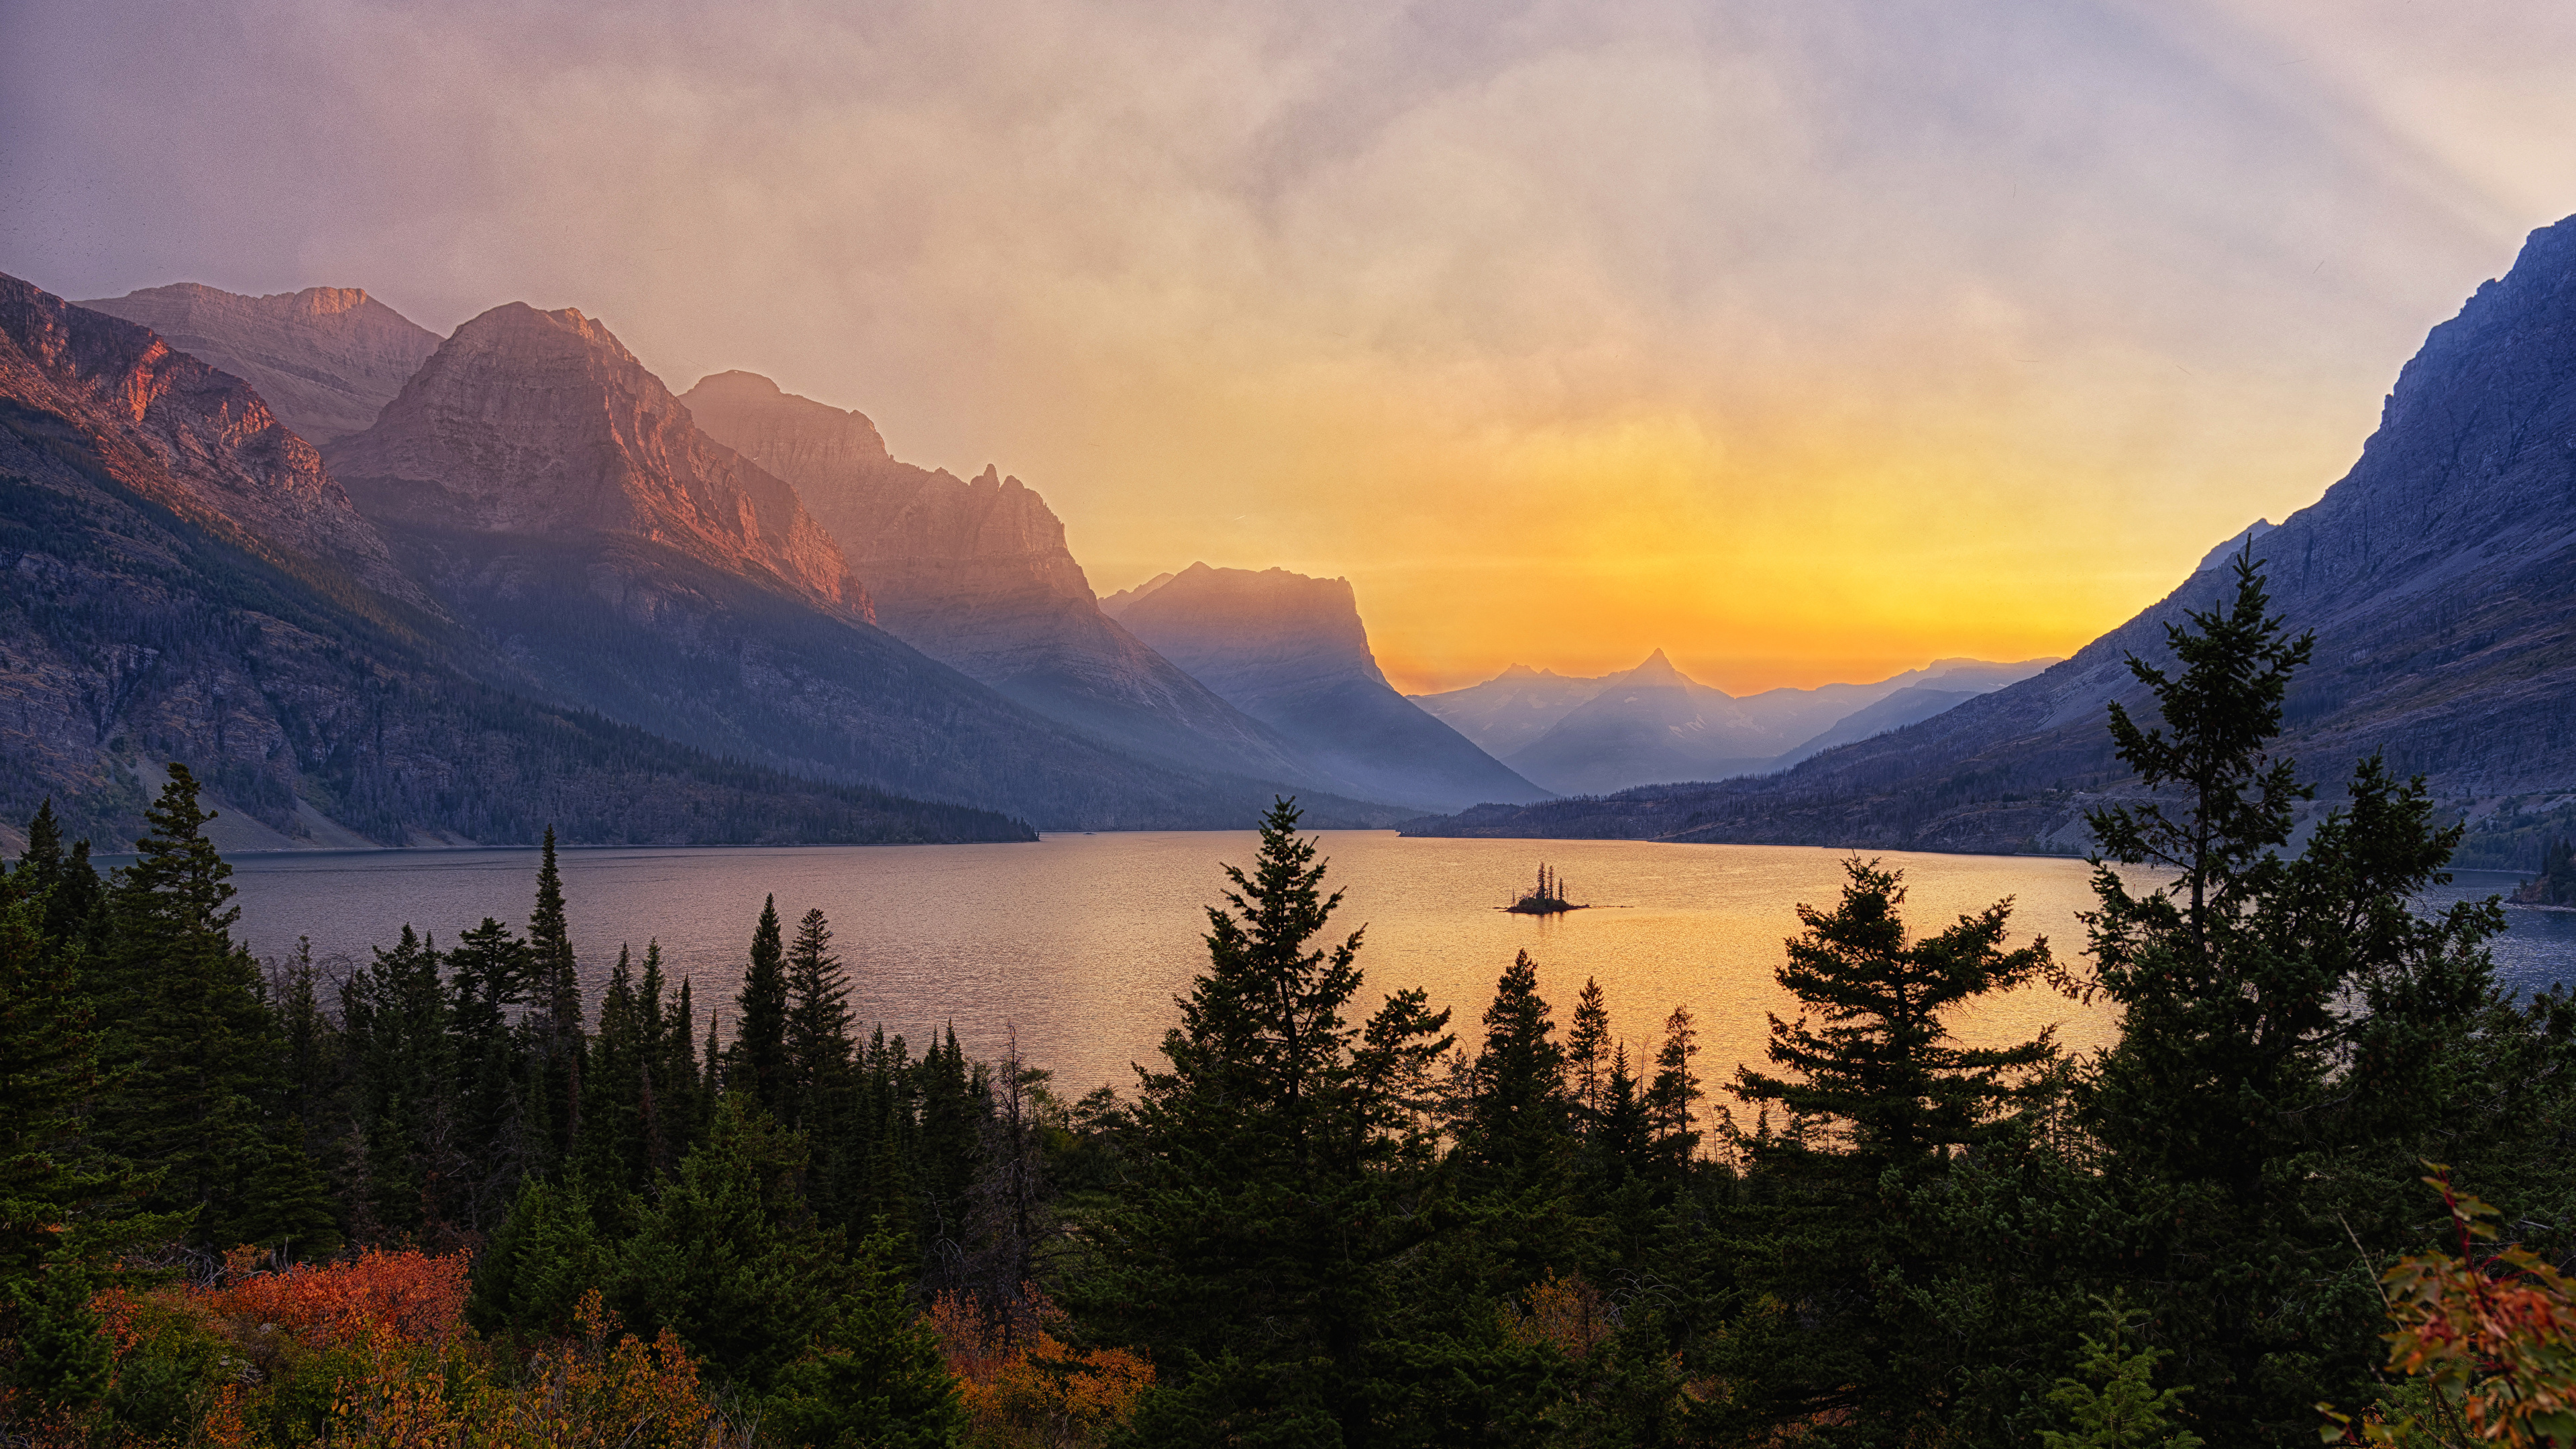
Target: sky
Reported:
point(1803, 341)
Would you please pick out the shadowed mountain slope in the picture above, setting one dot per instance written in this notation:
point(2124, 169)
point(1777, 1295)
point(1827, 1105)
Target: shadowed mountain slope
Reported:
point(326, 359)
point(180, 579)
point(2439, 576)
point(1291, 652)
point(566, 507)
point(977, 575)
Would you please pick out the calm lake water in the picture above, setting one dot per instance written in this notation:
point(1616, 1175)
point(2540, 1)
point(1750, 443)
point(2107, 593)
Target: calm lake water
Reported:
point(1080, 941)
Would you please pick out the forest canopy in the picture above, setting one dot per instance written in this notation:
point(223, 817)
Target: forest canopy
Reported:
point(444, 1198)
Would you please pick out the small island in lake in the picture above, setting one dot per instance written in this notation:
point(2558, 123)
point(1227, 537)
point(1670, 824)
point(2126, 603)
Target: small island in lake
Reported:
point(1547, 900)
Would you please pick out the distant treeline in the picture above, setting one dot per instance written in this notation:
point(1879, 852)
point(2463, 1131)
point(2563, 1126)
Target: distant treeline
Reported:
point(1321, 1218)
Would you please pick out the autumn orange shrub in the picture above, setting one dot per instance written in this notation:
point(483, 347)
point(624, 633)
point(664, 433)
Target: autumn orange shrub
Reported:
point(592, 1391)
point(1022, 1387)
point(414, 1299)
point(376, 1352)
point(1567, 1314)
point(2494, 1341)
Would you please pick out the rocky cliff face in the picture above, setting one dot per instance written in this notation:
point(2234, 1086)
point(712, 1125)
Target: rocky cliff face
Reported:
point(195, 440)
point(327, 359)
point(1291, 652)
point(542, 425)
point(569, 511)
point(976, 575)
point(2439, 576)
point(180, 580)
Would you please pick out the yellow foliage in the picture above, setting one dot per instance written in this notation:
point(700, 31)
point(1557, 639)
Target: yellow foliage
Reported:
point(1023, 1388)
point(1566, 1314)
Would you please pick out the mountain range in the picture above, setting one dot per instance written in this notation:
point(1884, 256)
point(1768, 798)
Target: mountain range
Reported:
point(1653, 723)
point(181, 577)
point(2438, 577)
point(326, 360)
point(977, 575)
point(525, 512)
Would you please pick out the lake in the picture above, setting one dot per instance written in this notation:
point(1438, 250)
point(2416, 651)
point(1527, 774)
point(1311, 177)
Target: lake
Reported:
point(1078, 942)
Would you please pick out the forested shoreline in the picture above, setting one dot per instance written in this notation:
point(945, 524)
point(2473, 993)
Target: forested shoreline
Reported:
point(439, 1200)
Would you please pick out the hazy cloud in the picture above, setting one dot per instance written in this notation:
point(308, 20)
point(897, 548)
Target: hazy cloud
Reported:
point(1795, 338)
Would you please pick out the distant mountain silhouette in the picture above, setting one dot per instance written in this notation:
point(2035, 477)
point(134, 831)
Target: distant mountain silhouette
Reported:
point(1513, 708)
point(977, 575)
point(1291, 652)
point(327, 359)
point(1652, 723)
point(2439, 576)
point(181, 578)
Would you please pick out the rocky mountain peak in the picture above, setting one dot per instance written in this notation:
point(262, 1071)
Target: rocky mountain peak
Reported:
point(330, 301)
point(1657, 672)
point(543, 424)
point(1297, 625)
point(327, 359)
point(198, 440)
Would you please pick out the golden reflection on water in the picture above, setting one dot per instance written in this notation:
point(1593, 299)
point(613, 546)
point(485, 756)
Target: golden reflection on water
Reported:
point(1080, 941)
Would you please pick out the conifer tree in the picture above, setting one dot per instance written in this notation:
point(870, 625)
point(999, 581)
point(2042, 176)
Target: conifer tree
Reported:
point(1671, 1095)
point(955, 1105)
point(611, 1158)
point(74, 910)
point(1517, 1112)
point(66, 1213)
point(757, 1064)
point(395, 1014)
point(1880, 1069)
point(653, 1055)
point(680, 1096)
point(488, 978)
point(1587, 1050)
point(1877, 1096)
point(1277, 1169)
point(554, 1019)
point(197, 1096)
point(1621, 1139)
point(818, 1046)
point(2289, 1024)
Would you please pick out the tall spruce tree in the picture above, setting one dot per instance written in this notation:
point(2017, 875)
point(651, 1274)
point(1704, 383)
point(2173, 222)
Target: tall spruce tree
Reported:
point(395, 1014)
point(1280, 1174)
point(74, 910)
point(66, 1213)
point(818, 1043)
point(1671, 1097)
point(553, 1025)
point(1587, 1051)
point(2292, 1030)
point(488, 979)
point(681, 1101)
point(757, 1064)
point(611, 1156)
point(198, 1095)
point(1516, 1132)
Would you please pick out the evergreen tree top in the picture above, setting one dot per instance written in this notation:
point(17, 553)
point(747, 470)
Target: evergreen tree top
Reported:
point(178, 879)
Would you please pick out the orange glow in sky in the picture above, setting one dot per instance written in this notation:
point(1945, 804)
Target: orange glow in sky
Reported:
point(1803, 342)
